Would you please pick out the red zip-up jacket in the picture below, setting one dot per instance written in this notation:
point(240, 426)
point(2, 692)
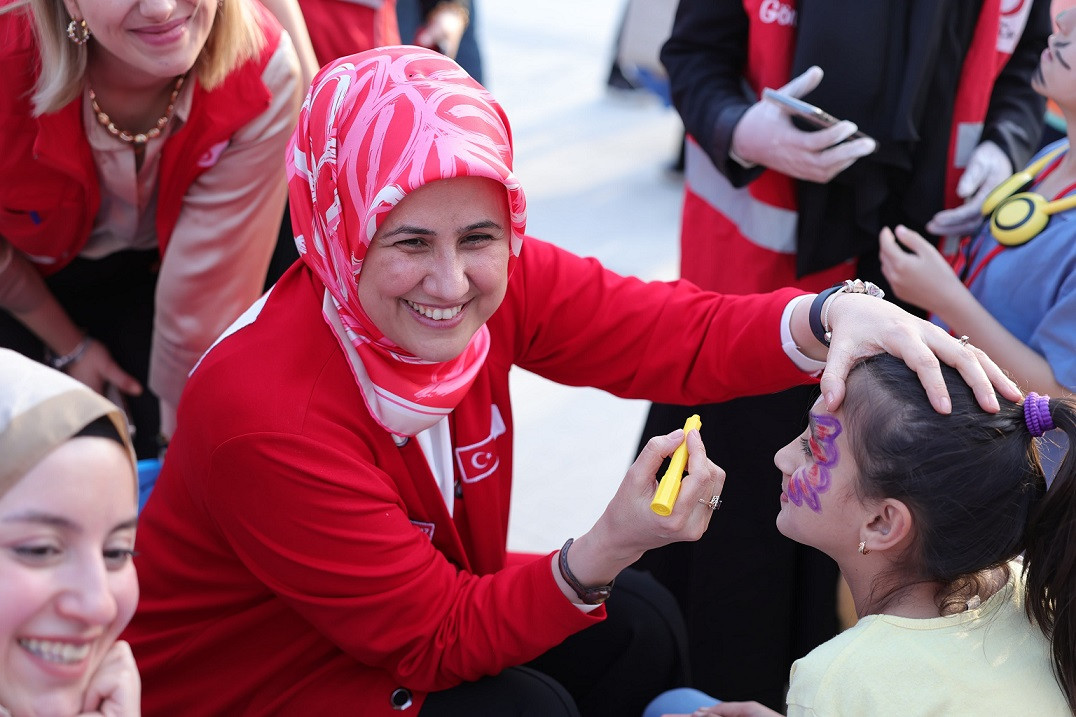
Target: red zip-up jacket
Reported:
point(293, 559)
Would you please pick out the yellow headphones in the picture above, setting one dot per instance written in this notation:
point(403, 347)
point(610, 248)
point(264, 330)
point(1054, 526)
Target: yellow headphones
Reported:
point(1017, 216)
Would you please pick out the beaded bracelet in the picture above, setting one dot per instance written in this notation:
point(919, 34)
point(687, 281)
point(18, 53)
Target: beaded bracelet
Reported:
point(819, 320)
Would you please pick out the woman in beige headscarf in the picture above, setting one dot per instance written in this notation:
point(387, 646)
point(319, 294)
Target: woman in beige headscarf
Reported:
point(68, 507)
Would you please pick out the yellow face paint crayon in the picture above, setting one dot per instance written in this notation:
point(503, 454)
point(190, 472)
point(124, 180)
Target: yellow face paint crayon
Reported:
point(669, 487)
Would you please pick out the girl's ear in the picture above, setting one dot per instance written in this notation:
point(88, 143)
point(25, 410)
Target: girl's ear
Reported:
point(889, 526)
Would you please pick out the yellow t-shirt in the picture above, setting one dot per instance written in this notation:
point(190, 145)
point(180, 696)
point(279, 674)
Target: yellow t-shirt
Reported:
point(987, 661)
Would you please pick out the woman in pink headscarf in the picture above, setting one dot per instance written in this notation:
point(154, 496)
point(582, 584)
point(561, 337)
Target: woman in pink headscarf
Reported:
point(328, 532)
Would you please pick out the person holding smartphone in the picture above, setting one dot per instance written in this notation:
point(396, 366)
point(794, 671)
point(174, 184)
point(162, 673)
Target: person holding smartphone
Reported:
point(941, 89)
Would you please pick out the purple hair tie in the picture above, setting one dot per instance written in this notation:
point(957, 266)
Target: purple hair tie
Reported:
point(1037, 414)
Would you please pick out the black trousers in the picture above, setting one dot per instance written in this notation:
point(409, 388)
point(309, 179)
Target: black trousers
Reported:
point(613, 668)
point(754, 601)
point(112, 298)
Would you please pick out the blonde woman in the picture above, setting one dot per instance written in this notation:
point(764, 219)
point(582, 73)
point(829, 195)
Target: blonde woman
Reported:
point(144, 185)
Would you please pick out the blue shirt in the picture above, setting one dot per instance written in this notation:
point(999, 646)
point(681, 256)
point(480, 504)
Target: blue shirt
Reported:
point(1031, 290)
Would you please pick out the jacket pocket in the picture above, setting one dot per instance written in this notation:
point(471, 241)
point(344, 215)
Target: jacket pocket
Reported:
point(46, 228)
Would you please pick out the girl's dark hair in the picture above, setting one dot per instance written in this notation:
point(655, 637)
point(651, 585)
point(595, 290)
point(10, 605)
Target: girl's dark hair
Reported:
point(975, 486)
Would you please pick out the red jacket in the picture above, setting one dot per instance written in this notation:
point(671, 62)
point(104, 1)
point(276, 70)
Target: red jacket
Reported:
point(50, 195)
point(293, 559)
point(342, 27)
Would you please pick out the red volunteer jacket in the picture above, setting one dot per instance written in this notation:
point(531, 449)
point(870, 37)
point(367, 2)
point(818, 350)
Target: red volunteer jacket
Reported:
point(743, 239)
point(294, 560)
point(50, 194)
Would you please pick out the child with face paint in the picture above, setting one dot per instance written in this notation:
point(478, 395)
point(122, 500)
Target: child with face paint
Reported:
point(68, 503)
point(960, 560)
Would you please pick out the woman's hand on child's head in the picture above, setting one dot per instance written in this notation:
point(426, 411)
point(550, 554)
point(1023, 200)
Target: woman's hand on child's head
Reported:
point(918, 273)
point(863, 326)
point(115, 690)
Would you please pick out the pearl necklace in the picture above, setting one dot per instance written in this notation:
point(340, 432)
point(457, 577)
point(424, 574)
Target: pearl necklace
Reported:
point(138, 139)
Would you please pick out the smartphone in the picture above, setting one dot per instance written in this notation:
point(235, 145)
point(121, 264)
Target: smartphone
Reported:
point(814, 116)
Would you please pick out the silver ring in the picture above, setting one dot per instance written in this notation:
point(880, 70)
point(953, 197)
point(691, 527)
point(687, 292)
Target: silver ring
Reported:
point(713, 504)
point(963, 340)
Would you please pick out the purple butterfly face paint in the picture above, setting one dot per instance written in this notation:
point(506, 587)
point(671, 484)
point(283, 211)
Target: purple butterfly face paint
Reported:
point(808, 482)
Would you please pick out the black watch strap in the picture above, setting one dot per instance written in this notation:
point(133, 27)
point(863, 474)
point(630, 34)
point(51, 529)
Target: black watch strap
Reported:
point(814, 316)
point(589, 596)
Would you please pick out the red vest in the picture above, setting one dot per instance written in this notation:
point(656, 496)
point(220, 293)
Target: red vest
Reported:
point(49, 194)
point(744, 240)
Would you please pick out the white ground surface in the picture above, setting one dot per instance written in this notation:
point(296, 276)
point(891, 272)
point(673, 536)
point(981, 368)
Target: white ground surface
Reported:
point(592, 162)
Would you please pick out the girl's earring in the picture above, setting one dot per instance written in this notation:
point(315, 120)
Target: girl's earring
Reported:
point(863, 549)
point(78, 32)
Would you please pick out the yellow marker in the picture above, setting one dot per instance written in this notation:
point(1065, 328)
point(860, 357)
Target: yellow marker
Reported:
point(669, 487)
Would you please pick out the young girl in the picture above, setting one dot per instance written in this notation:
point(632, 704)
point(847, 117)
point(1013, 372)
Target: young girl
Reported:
point(68, 501)
point(926, 515)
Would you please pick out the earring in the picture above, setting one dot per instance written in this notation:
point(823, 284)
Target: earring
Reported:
point(78, 32)
point(863, 549)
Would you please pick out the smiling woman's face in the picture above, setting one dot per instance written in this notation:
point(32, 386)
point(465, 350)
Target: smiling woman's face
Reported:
point(144, 40)
point(437, 267)
point(67, 583)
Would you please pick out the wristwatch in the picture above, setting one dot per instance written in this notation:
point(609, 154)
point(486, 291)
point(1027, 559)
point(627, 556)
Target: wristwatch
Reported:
point(589, 596)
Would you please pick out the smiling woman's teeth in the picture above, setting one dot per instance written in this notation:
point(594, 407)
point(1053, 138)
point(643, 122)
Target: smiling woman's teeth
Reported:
point(435, 314)
point(62, 652)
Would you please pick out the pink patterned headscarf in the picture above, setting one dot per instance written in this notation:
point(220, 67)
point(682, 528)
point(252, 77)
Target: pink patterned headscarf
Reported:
point(375, 127)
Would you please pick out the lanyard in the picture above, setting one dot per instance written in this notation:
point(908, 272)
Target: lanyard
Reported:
point(965, 258)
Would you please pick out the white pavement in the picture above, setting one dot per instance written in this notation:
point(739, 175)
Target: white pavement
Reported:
point(593, 165)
